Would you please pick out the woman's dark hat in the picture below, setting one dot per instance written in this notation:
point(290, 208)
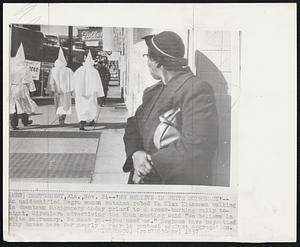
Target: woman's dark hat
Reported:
point(167, 43)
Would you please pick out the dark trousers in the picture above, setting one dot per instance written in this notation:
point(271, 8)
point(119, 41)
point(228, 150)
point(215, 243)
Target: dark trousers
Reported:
point(14, 118)
point(62, 117)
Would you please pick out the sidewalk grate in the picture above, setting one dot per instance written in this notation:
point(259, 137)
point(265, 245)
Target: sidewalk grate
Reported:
point(39, 165)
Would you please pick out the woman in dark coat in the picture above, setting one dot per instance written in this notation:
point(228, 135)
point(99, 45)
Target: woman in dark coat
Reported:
point(105, 78)
point(188, 159)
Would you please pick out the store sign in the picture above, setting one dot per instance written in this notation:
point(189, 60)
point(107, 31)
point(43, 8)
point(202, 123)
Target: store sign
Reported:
point(88, 35)
point(92, 43)
point(34, 68)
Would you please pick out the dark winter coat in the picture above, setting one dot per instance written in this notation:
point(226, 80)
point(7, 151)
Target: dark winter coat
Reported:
point(187, 160)
point(105, 77)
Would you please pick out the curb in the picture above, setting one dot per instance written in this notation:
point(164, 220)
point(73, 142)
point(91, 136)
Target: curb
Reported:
point(50, 101)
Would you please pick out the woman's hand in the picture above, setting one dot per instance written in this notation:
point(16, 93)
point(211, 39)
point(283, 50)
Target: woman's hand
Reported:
point(137, 179)
point(142, 164)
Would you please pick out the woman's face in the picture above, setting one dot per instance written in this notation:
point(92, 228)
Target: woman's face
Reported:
point(154, 71)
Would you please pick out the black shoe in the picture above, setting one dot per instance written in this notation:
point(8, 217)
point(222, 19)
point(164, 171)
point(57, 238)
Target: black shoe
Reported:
point(81, 125)
point(61, 123)
point(28, 123)
point(92, 123)
point(15, 128)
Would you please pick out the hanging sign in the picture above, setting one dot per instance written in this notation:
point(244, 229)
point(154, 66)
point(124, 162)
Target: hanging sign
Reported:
point(88, 35)
point(34, 68)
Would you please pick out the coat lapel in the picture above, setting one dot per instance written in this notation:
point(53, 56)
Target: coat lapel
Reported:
point(176, 82)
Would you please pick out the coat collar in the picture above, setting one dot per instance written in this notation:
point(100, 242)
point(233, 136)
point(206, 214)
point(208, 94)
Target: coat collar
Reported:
point(177, 81)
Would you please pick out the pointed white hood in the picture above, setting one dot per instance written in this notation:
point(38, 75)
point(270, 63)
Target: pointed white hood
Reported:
point(87, 80)
point(19, 72)
point(61, 60)
point(60, 77)
point(20, 56)
point(19, 59)
point(89, 60)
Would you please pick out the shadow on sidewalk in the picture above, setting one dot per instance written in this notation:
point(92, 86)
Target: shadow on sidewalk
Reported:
point(54, 134)
point(120, 125)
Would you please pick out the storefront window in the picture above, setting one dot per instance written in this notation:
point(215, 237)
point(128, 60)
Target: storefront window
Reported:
point(45, 70)
point(42, 43)
point(114, 70)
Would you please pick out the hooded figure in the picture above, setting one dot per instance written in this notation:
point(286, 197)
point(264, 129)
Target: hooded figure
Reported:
point(60, 84)
point(21, 83)
point(88, 87)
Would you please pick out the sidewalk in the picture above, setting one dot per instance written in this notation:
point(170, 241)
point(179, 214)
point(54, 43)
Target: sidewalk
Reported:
point(94, 156)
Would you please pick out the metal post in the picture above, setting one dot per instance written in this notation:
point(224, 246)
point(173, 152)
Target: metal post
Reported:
point(70, 53)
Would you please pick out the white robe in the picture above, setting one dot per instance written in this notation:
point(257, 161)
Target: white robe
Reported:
point(87, 108)
point(20, 84)
point(88, 87)
point(59, 82)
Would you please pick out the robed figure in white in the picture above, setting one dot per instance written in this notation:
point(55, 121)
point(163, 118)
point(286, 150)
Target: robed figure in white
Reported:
point(88, 87)
point(60, 84)
point(21, 83)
